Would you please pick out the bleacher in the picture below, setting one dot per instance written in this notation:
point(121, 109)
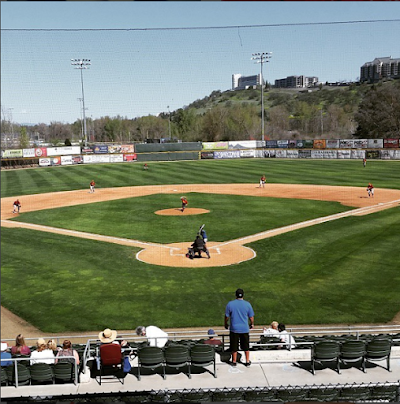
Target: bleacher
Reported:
point(276, 373)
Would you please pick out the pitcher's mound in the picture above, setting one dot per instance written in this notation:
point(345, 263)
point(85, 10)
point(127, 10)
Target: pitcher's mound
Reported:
point(178, 212)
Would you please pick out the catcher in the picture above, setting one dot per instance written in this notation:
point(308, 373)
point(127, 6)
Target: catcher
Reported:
point(184, 203)
point(198, 246)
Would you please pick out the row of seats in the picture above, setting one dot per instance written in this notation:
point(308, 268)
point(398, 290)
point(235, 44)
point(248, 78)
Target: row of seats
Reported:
point(176, 356)
point(39, 373)
point(351, 351)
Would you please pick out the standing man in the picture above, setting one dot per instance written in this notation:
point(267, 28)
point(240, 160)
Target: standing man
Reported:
point(262, 181)
point(364, 162)
point(92, 184)
point(239, 312)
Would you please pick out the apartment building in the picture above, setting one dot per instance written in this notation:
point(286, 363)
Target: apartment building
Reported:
point(380, 68)
point(296, 82)
point(240, 82)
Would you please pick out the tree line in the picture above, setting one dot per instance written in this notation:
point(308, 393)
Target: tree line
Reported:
point(360, 111)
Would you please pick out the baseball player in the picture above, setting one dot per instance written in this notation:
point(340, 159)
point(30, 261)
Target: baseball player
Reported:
point(92, 184)
point(370, 190)
point(262, 181)
point(16, 206)
point(184, 203)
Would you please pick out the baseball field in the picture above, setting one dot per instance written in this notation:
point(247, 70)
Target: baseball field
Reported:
point(309, 248)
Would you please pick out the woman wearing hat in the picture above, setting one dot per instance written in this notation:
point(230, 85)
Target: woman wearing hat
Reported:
point(107, 336)
point(5, 355)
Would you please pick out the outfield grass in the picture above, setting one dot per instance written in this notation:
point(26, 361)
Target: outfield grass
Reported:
point(231, 216)
point(383, 174)
point(343, 271)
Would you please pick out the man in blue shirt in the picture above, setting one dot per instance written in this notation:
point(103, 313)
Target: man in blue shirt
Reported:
point(5, 355)
point(239, 312)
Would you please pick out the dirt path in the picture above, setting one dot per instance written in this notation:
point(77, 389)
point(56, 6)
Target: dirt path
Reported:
point(222, 254)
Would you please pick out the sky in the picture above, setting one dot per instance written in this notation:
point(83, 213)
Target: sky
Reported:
point(153, 57)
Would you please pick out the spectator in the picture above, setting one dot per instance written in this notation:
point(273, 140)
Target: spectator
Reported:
point(155, 336)
point(272, 331)
point(286, 337)
point(67, 351)
point(42, 353)
point(211, 340)
point(20, 347)
point(239, 312)
point(5, 355)
point(52, 345)
point(108, 336)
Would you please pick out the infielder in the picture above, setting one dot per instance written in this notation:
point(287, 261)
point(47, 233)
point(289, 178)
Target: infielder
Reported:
point(16, 206)
point(92, 184)
point(262, 181)
point(370, 190)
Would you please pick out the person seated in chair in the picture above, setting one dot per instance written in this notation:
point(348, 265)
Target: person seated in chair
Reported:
point(198, 246)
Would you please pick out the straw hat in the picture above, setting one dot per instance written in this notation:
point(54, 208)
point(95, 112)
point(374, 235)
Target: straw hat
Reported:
point(40, 342)
point(107, 335)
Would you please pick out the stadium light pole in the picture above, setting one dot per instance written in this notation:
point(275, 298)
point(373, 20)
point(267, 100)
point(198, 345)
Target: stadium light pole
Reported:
point(262, 57)
point(169, 122)
point(82, 64)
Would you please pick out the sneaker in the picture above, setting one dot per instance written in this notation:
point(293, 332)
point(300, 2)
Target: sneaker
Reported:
point(247, 364)
point(233, 364)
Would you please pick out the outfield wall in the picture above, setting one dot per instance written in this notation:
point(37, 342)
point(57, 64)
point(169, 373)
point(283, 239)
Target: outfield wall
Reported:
point(378, 149)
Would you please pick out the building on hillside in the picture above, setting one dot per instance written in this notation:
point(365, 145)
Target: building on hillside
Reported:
point(240, 82)
point(296, 82)
point(380, 68)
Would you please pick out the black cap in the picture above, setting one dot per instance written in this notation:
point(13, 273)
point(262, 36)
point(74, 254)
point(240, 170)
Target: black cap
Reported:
point(239, 293)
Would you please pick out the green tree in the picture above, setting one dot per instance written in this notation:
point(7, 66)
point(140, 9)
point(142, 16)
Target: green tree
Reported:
point(23, 138)
point(378, 114)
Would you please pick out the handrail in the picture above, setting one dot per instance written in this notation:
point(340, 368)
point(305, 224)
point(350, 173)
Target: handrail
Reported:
point(45, 357)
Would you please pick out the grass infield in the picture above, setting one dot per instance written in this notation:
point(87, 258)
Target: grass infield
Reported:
point(345, 271)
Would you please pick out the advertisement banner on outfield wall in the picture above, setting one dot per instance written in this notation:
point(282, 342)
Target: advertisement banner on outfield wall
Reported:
point(358, 154)
point(207, 155)
point(391, 143)
point(269, 153)
point(344, 154)
point(319, 144)
point(375, 143)
point(308, 143)
point(127, 148)
point(271, 143)
point(360, 143)
point(292, 144)
point(87, 150)
point(245, 144)
point(317, 154)
point(259, 153)
point(41, 151)
point(299, 144)
point(330, 154)
point(44, 162)
point(281, 153)
point(28, 153)
point(66, 160)
point(9, 154)
point(93, 158)
point(245, 154)
point(215, 145)
point(64, 150)
point(282, 144)
point(387, 154)
point(304, 154)
point(55, 161)
point(346, 143)
point(114, 148)
point(232, 154)
point(396, 155)
point(372, 154)
point(292, 154)
point(100, 149)
point(116, 158)
point(130, 157)
point(77, 159)
point(332, 143)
